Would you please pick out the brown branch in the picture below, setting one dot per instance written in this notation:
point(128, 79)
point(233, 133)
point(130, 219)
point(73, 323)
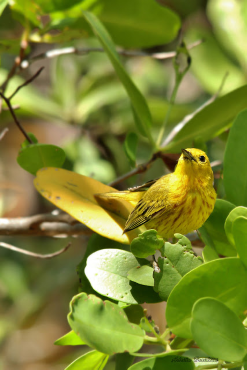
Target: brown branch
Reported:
point(27, 82)
point(47, 224)
point(32, 254)
point(82, 51)
point(16, 65)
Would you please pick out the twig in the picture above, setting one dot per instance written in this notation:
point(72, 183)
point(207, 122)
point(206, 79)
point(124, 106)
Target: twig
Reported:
point(27, 82)
point(7, 101)
point(16, 64)
point(32, 254)
point(3, 133)
point(47, 224)
point(187, 118)
point(82, 51)
point(139, 169)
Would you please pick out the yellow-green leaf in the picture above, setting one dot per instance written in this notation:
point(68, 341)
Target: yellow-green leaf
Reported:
point(74, 194)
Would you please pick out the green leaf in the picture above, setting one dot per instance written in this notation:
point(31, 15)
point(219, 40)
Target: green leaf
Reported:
point(134, 313)
point(107, 271)
point(209, 254)
point(3, 5)
point(130, 146)
point(213, 230)
point(235, 167)
point(123, 361)
point(26, 143)
point(37, 156)
point(93, 319)
point(57, 5)
point(224, 279)
point(168, 362)
point(178, 261)
point(233, 215)
point(240, 236)
point(209, 121)
point(218, 331)
point(93, 360)
point(137, 100)
point(141, 275)
point(27, 11)
point(146, 244)
point(69, 339)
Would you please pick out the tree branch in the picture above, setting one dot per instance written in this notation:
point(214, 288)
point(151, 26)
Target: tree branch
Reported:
point(32, 254)
point(47, 224)
point(82, 51)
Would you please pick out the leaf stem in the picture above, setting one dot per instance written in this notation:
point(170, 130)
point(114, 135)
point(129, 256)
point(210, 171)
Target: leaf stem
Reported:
point(158, 337)
point(225, 365)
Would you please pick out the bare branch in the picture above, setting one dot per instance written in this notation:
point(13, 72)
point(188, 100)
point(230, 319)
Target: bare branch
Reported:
point(27, 82)
point(47, 224)
point(82, 51)
point(3, 133)
point(32, 254)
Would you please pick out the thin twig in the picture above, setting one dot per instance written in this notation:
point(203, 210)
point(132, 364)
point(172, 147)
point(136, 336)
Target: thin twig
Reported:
point(27, 82)
point(32, 254)
point(187, 118)
point(139, 169)
point(82, 51)
point(3, 133)
point(15, 66)
point(7, 101)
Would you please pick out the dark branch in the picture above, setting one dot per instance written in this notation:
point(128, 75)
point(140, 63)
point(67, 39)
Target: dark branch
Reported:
point(27, 82)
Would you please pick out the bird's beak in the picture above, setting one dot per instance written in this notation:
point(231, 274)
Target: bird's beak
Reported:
point(188, 155)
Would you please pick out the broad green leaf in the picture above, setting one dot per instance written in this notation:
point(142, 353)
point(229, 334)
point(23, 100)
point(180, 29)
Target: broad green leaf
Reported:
point(74, 194)
point(168, 362)
point(134, 313)
point(107, 271)
point(123, 361)
point(130, 146)
point(132, 24)
point(218, 331)
point(235, 168)
point(146, 244)
point(96, 242)
point(233, 215)
point(137, 100)
point(36, 156)
point(3, 5)
point(142, 275)
point(213, 231)
point(93, 360)
point(57, 5)
point(69, 339)
point(209, 121)
point(223, 279)
point(94, 319)
point(178, 261)
point(240, 236)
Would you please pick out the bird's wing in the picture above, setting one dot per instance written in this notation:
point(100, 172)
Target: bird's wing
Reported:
point(154, 202)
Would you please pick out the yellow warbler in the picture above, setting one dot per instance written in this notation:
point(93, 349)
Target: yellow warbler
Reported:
point(176, 203)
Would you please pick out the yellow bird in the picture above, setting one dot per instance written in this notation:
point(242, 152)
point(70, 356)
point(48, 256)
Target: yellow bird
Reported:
point(176, 203)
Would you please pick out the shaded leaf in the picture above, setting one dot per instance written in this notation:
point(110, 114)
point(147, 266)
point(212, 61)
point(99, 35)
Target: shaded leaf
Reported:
point(137, 100)
point(146, 244)
point(218, 331)
point(168, 362)
point(26, 143)
point(74, 194)
point(130, 145)
point(240, 236)
point(94, 319)
point(3, 5)
point(223, 279)
point(235, 167)
point(36, 156)
point(233, 215)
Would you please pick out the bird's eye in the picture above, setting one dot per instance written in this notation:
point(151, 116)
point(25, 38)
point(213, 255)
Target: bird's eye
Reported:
point(202, 158)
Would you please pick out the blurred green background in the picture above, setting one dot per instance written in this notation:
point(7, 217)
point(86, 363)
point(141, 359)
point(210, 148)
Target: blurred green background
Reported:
point(79, 104)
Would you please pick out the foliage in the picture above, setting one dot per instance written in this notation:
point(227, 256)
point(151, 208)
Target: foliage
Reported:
point(115, 103)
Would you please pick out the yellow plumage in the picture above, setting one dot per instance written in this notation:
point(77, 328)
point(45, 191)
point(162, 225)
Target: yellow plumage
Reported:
point(176, 203)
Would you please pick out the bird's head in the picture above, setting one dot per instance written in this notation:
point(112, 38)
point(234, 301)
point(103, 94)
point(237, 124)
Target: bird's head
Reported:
point(194, 163)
